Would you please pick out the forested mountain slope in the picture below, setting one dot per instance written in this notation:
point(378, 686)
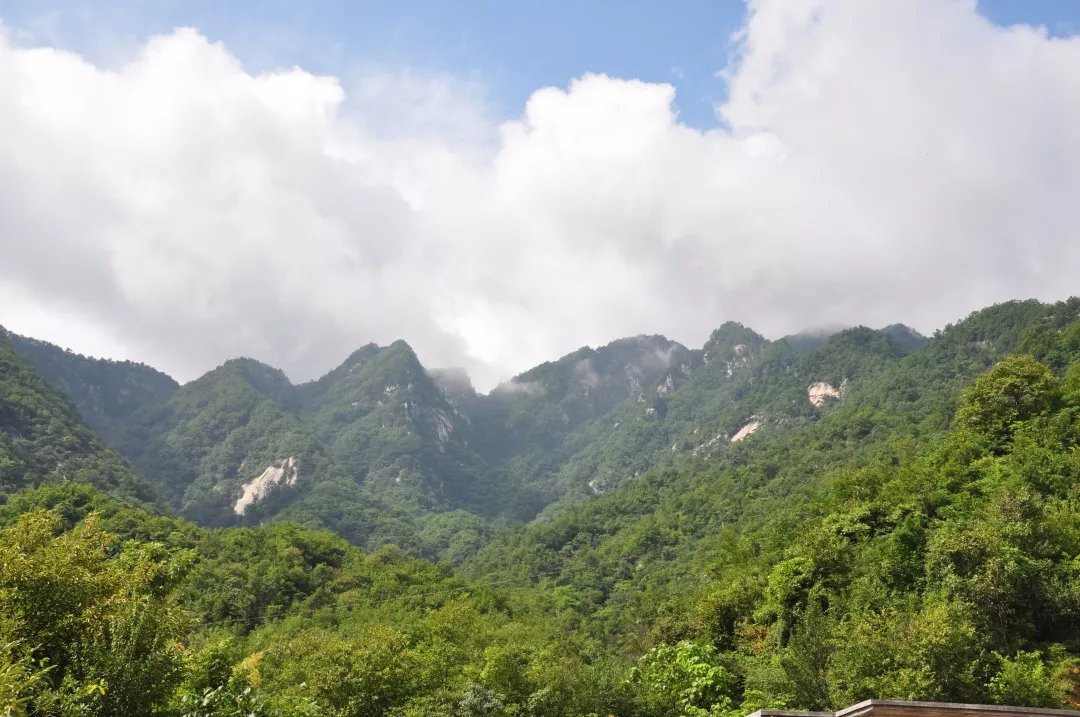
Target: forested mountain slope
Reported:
point(387, 422)
point(43, 439)
point(104, 392)
point(223, 445)
point(893, 404)
point(382, 449)
point(915, 537)
point(737, 386)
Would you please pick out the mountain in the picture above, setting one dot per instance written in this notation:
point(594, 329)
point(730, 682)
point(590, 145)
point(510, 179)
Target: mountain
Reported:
point(104, 392)
point(380, 447)
point(908, 338)
point(223, 444)
point(737, 386)
point(859, 396)
point(540, 419)
point(387, 422)
point(242, 443)
point(862, 519)
point(44, 441)
point(226, 450)
point(806, 341)
point(811, 339)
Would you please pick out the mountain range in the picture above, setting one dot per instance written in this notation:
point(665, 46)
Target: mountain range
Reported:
point(380, 446)
point(640, 529)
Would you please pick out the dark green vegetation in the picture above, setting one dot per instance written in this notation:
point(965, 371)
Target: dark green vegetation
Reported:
point(381, 450)
point(896, 520)
point(42, 438)
point(104, 392)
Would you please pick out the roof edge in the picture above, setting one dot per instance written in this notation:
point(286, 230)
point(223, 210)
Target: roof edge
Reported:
point(867, 706)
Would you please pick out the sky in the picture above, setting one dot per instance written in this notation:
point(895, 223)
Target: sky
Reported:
point(500, 183)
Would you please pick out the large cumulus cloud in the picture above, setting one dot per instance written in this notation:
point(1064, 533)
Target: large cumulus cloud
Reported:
point(878, 162)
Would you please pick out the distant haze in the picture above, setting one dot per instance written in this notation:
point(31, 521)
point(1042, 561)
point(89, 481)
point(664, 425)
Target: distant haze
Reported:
point(880, 162)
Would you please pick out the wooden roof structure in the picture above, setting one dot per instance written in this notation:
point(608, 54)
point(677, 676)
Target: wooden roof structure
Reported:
point(897, 708)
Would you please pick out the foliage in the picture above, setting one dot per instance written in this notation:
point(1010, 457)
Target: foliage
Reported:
point(104, 392)
point(42, 439)
point(916, 537)
point(103, 626)
point(684, 680)
point(1023, 680)
point(21, 680)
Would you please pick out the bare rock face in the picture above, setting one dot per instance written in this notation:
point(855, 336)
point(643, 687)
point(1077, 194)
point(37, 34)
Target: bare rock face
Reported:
point(283, 473)
point(819, 393)
point(745, 431)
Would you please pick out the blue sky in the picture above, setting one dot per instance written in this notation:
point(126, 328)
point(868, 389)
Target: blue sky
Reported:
point(509, 48)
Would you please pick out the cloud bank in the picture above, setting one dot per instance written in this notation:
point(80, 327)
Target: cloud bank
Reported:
point(878, 162)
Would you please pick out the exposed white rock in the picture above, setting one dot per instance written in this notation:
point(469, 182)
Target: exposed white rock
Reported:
point(745, 431)
point(709, 443)
point(391, 388)
point(821, 391)
point(666, 387)
point(283, 473)
point(740, 358)
point(650, 411)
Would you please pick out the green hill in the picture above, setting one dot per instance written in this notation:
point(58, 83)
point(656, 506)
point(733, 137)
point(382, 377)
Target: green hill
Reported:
point(44, 441)
point(903, 524)
point(104, 392)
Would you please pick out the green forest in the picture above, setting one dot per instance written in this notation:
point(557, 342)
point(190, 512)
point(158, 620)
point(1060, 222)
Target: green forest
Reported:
point(636, 530)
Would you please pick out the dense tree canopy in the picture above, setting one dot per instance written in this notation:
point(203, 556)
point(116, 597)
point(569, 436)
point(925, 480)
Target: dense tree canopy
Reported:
point(914, 536)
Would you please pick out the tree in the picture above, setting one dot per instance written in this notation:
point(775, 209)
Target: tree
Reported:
point(364, 675)
point(22, 681)
point(684, 680)
point(1023, 681)
point(1017, 389)
point(107, 627)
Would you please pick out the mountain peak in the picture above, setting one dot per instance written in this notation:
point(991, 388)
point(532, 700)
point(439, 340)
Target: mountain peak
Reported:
point(452, 380)
point(908, 338)
point(103, 391)
point(729, 337)
point(361, 355)
point(807, 340)
point(258, 372)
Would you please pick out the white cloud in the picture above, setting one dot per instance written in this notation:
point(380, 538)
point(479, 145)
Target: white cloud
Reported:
point(882, 162)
